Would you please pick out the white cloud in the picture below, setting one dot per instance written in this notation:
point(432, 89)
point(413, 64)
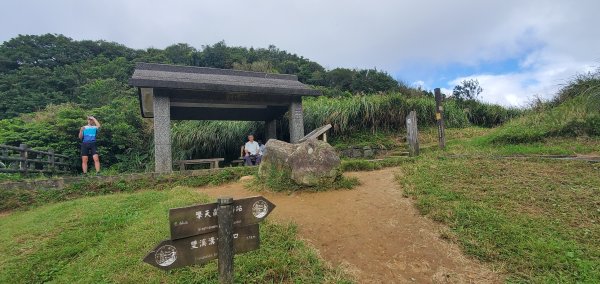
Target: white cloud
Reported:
point(556, 37)
point(420, 84)
point(548, 72)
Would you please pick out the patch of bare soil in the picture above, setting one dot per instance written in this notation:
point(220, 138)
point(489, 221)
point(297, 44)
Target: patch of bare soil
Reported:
point(373, 232)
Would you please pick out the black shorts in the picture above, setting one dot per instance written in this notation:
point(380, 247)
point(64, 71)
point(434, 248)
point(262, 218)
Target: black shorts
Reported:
point(87, 147)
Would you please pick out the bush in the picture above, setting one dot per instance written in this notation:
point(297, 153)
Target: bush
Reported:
point(487, 115)
point(19, 198)
point(371, 165)
point(123, 142)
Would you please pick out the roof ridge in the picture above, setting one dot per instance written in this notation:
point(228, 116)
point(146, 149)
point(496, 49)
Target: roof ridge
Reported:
point(214, 71)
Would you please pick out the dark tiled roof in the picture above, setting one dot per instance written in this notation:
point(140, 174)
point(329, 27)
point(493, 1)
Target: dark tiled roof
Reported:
point(217, 80)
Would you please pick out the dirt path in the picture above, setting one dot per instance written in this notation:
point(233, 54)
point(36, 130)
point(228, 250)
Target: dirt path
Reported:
point(373, 232)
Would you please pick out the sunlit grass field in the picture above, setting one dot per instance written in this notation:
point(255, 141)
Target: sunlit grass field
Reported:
point(103, 239)
point(536, 220)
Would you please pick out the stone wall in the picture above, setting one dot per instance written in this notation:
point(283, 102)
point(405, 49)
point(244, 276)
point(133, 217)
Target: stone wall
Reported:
point(362, 151)
point(59, 183)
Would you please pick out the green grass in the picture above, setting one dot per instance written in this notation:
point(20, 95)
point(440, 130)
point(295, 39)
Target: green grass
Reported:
point(103, 239)
point(537, 220)
point(354, 165)
point(478, 145)
point(9, 177)
point(574, 113)
point(388, 140)
point(23, 198)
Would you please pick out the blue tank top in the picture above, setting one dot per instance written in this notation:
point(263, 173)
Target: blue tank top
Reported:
point(89, 133)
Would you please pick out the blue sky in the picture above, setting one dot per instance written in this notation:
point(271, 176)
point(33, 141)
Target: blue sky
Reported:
point(439, 76)
point(518, 50)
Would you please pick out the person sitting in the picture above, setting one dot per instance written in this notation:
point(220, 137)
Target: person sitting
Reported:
point(262, 149)
point(251, 151)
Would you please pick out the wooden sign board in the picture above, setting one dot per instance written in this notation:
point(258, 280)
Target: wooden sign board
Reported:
point(199, 249)
point(315, 133)
point(201, 219)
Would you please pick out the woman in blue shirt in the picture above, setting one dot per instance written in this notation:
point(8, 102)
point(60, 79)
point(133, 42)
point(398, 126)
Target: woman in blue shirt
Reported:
point(87, 134)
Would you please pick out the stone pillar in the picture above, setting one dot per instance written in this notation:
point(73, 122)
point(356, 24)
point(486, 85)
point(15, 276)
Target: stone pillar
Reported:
point(271, 130)
point(296, 121)
point(162, 135)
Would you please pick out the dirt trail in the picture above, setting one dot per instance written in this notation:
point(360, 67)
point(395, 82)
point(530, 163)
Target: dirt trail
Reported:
point(373, 232)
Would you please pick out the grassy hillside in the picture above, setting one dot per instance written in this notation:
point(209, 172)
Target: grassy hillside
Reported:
point(575, 112)
point(538, 220)
point(103, 240)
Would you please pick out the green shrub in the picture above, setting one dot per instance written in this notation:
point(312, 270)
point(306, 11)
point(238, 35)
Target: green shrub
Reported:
point(19, 198)
point(371, 165)
point(568, 115)
point(487, 115)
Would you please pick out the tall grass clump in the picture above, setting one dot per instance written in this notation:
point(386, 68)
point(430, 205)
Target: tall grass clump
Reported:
point(209, 139)
point(575, 111)
point(347, 114)
point(374, 112)
point(488, 115)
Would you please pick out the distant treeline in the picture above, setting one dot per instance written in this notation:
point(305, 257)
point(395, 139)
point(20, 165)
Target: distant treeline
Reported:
point(38, 70)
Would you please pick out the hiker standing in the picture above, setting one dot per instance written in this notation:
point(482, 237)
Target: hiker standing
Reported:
point(87, 134)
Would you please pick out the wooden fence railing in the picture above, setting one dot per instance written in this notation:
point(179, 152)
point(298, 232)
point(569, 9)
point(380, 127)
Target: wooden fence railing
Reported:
point(24, 160)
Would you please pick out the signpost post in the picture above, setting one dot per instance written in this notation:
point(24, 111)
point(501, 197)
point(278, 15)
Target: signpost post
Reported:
point(225, 233)
point(204, 232)
point(412, 134)
point(439, 117)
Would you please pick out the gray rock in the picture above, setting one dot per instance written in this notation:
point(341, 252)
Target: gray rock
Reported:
point(369, 153)
point(311, 163)
point(346, 153)
point(356, 153)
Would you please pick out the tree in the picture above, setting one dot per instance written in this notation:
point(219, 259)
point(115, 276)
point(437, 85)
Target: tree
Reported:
point(467, 90)
point(256, 66)
point(181, 54)
point(340, 78)
point(372, 81)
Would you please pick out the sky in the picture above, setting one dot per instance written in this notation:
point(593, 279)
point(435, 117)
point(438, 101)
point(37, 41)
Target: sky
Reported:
point(517, 50)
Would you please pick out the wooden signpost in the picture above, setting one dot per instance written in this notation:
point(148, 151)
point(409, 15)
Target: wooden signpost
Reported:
point(439, 117)
point(201, 233)
point(412, 134)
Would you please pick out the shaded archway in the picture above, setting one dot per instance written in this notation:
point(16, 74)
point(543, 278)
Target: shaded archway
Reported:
point(170, 92)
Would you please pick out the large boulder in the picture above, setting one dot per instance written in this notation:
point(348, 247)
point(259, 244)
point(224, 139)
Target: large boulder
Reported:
point(312, 162)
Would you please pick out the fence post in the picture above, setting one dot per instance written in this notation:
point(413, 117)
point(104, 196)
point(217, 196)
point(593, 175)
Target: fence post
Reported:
point(412, 134)
point(23, 167)
point(439, 117)
point(60, 166)
point(225, 219)
point(51, 159)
